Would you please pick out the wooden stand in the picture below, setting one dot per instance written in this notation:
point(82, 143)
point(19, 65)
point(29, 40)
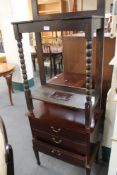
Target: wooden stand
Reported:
point(67, 116)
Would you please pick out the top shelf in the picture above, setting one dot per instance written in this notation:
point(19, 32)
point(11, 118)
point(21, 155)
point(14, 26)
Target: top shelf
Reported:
point(75, 21)
point(66, 16)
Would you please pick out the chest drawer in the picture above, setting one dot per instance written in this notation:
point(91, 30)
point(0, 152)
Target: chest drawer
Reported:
point(58, 129)
point(80, 148)
point(58, 153)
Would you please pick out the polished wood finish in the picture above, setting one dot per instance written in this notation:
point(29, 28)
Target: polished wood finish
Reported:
point(69, 79)
point(62, 132)
point(6, 68)
point(6, 71)
point(61, 126)
point(60, 153)
point(74, 100)
point(2, 58)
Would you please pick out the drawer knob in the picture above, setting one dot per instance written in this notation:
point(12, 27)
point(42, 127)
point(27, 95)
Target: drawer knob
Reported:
point(56, 141)
point(55, 130)
point(56, 152)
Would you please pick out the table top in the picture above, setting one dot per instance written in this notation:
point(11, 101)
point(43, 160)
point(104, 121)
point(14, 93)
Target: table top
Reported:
point(6, 68)
point(2, 58)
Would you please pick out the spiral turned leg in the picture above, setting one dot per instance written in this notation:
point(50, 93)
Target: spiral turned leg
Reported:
point(88, 104)
point(24, 73)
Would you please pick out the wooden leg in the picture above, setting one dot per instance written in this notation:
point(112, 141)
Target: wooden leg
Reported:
point(8, 78)
point(88, 171)
point(50, 67)
point(59, 67)
point(36, 154)
point(97, 155)
point(54, 65)
point(34, 63)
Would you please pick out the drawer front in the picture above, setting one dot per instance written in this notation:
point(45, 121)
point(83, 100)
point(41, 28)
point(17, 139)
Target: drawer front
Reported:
point(57, 130)
point(75, 147)
point(58, 153)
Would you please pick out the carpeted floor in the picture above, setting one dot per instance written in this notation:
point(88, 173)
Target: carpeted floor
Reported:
point(19, 135)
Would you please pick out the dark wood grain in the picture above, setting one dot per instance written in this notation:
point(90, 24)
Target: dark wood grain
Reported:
point(60, 153)
point(77, 101)
point(69, 79)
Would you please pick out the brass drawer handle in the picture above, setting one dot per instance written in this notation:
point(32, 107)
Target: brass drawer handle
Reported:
point(56, 141)
point(59, 153)
point(56, 152)
point(55, 130)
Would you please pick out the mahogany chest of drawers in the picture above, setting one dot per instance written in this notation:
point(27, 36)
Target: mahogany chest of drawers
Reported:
point(61, 133)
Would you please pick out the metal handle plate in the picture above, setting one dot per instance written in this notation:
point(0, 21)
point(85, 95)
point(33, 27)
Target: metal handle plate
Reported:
point(56, 152)
point(56, 141)
point(55, 130)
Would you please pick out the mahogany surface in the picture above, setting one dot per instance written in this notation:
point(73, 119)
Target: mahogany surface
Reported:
point(46, 111)
point(74, 100)
point(59, 153)
point(69, 79)
point(59, 128)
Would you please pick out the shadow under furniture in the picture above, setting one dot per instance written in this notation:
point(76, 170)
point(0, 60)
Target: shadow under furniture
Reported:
point(65, 123)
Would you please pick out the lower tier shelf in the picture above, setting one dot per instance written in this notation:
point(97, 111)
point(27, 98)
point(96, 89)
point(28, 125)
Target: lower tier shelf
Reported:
point(58, 115)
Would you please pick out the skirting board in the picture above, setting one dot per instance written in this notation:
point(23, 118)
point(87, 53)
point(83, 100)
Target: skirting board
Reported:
point(106, 153)
point(20, 86)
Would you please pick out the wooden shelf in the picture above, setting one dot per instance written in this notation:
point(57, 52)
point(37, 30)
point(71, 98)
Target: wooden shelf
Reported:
point(49, 11)
point(45, 93)
point(52, 6)
point(48, 2)
point(69, 79)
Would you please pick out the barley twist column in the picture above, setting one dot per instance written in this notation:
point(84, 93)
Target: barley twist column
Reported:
point(24, 73)
point(88, 104)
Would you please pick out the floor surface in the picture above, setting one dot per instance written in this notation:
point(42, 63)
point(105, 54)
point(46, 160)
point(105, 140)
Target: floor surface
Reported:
point(19, 135)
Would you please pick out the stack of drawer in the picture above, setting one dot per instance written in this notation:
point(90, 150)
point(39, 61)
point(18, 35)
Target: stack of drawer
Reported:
point(60, 132)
